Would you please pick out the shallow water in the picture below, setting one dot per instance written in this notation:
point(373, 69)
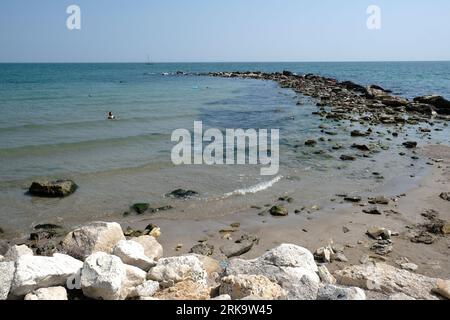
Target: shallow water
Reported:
point(53, 125)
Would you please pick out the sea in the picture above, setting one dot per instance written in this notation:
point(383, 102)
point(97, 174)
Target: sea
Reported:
point(53, 126)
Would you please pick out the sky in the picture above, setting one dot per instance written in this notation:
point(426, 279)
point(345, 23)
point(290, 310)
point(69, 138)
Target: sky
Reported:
point(223, 31)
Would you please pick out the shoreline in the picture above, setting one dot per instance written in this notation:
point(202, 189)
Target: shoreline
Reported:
point(338, 222)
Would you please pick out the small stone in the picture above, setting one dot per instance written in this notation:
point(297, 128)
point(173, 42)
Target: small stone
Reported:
point(373, 210)
point(203, 249)
point(409, 266)
point(53, 189)
point(182, 194)
point(140, 208)
point(236, 249)
point(410, 144)
point(353, 199)
point(445, 196)
point(325, 275)
point(382, 247)
point(345, 229)
point(279, 211)
point(379, 233)
point(379, 200)
point(340, 257)
point(323, 254)
point(310, 143)
point(346, 157)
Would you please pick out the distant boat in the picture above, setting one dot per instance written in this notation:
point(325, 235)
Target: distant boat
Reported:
point(149, 61)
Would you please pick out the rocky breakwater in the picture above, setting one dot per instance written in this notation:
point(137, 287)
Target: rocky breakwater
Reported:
point(97, 261)
point(372, 104)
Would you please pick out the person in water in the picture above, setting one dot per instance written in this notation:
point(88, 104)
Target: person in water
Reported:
point(111, 116)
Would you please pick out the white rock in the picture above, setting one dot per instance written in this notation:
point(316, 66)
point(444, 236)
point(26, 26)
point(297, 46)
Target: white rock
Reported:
point(33, 272)
point(388, 280)
point(94, 237)
point(325, 275)
point(152, 248)
point(222, 297)
point(6, 277)
point(290, 266)
point(332, 292)
point(102, 276)
point(15, 252)
point(132, 253)
point(134, 277)
point(52, 294)
point(409, 266)
point(241, 286)
point(169, 271)
point(147, 289)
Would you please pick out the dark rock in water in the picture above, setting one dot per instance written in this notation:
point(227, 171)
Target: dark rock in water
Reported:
point(361, 147)
point(47, 226)
point(150, 227)
point(182, 194)
point(279, 211)
point(346, 157)
point(236, 249)
point(53, 189)
point(353, 199)
point(410, 144)
point(140, 208)
point(287, 73)
point(374, 86)
point(4, 247)
point(310, 143)
point(441, 104)
point(382, 247)
point(379, 200)
point(357, 133)
point(372, 210)
point(445, 196)
point(203, 249)
point(155, 210)
point(423, 237)
point(353, 86)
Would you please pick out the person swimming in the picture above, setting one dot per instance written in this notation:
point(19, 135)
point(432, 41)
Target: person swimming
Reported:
point(111, 116)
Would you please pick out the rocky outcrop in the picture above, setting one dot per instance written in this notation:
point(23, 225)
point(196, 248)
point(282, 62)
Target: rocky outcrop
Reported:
point(241, 286)
point(53, 189)
point(388, 280)
point(440, 104)
point(170, 271)
point(94, 237)
point(50, 294)
point(290, 266)
point(132, 253)
point(35, 272)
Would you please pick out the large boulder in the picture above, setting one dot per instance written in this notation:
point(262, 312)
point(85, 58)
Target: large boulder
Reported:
point(440, 104)
point(94, 237)
point(242, 286)
point(290, 266)
point(102, 276)
point(169, 271)
point(132, 253)
point(6, 278)
point(332, 292)
point(388, 280)
point(51, 294)
point(53, 189)
point(15, 252)
point(152, 248)
point(35, 272)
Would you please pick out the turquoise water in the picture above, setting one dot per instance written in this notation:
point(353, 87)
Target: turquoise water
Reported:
point(53, 124)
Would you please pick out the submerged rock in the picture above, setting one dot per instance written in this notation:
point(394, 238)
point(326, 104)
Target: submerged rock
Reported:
point(279, 211)
point(140, 208)
point(53, 189)
point(440, 104)
point(410, 144)
point(182, 194)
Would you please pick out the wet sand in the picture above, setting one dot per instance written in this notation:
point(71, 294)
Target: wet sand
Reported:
point(320, 227)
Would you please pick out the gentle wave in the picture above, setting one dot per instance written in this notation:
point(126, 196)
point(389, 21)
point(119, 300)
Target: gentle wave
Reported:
point(254, 189)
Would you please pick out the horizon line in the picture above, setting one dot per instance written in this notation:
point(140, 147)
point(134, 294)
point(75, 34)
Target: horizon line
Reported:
point(204, 62)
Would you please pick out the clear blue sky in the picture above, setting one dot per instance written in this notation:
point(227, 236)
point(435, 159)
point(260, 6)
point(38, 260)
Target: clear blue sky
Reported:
point(223, 30)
